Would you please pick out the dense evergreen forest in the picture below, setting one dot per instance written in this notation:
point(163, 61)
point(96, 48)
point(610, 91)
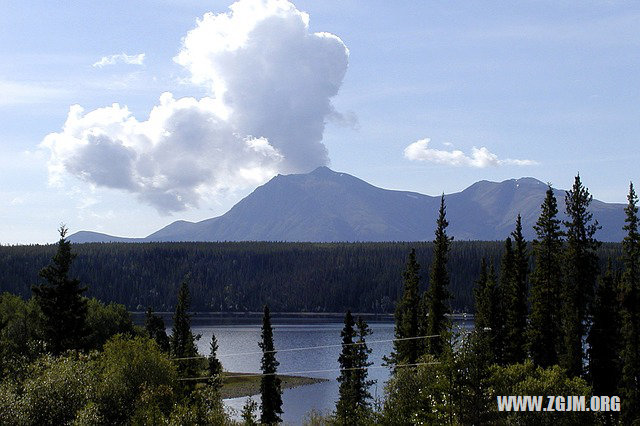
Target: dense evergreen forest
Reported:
point(293, 277)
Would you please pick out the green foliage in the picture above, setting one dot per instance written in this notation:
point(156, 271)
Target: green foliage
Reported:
point(515, 300)
point(21, 336)
point(204, 407)
point(438, 295)
point(105, 321)
point(154, 325)
point(214, 365)
point(630, 385)
point(527, 379)
point(407, 316)
point(270, 391)
point(61, 301)
point(353, 406)
point(604, 337)
point(249, 413)
point(580, 272)
point(488, 320)
point(130, 368)
point(182, 341)
point(54, 390)
point(544, 330)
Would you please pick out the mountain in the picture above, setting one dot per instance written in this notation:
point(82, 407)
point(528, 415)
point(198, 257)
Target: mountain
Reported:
point(329, 206)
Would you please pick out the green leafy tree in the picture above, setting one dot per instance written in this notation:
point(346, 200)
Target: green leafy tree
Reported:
point(154, 324)
point(544, 329)
point(407, 316)
point(515, 297)
point(105, 321)
point(271, 405)
point(580, 272)
point(630, 386)
point(183, 342)
point(437, 295)
point(604, 337)
point(61, 301)
point(214, 364)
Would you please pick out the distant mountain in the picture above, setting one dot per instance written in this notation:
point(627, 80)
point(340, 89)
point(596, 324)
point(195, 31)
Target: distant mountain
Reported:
point(328, 206)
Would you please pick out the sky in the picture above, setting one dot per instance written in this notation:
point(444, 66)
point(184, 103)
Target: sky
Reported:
point(122, 117)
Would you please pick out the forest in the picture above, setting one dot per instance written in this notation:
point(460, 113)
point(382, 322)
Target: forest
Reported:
point(236, 277)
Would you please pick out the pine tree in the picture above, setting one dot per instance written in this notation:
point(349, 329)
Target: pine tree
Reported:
point(182, 341)
point(407, 316)
point(487, 320)
point(630, 354)
point(154, 324)
point(61, 301)
point(345, 407)
point(515, 294)
point(361, 363)
point(248, 413)
point(544, 330)
point(507, 277)
point(604, 337)
point(353, 406)
point(437, 295)
point(271, 406)
point(580, 272)
point(214, 364)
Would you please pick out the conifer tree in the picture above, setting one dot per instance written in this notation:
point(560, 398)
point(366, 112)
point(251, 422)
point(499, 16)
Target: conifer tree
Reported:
point(630, 354)
point(61, 301)
point(437, 295)
point(345, 407)
point(515, 296)
point(361, 363)
point(487, 319)
point(604, 337)
point(154, 324)
point(182, 341)
point(544, 330)
point(214, 364)
point(580, 272)
point(271, 405)
point(408, 316)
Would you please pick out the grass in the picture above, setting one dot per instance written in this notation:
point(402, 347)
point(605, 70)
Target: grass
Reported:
point(235, 385)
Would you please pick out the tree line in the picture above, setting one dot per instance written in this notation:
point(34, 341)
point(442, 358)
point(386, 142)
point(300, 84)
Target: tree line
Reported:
point(290, 277)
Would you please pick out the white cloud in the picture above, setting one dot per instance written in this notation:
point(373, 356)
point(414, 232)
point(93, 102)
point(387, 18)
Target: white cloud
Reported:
point(120, 58)
point(480, 157)
point(270, 84)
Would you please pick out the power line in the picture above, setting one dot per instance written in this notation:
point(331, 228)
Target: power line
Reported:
point(329, 370)
point(306, 348)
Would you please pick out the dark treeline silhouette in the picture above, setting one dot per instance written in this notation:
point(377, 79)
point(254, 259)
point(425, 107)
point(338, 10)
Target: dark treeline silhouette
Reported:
point(296, 277)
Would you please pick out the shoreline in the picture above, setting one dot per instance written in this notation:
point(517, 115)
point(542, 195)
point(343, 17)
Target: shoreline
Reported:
point(248, 384)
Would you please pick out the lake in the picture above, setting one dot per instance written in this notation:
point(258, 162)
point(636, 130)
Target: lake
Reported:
point(237, 335)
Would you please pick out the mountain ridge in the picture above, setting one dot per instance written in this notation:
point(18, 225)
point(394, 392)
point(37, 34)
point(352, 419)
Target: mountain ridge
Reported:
point(329, 206)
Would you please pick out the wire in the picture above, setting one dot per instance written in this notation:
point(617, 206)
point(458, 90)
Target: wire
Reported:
point(311, 371)
point(306, 348)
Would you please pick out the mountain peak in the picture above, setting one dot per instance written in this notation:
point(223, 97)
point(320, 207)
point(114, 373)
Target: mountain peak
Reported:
point(322, 171)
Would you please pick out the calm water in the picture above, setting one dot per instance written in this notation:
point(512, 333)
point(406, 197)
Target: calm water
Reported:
point(239, 335)
point(239, 338)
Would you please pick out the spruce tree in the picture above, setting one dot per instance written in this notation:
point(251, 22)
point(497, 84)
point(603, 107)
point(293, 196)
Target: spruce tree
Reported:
point(154, 324)
point(345, 407)
point(580, 272)
point(182, 341)
point(61, 301)
point(214, 364)
point(408, 317)
point(487, 320)
point(604, 337)
point(361, 384)
point(630, 354)
point(271, 405)
point(544, 330)
point(437, 295)
point(515, 296)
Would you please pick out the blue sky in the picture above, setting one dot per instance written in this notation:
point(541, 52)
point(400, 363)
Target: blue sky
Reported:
point(435, 96)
